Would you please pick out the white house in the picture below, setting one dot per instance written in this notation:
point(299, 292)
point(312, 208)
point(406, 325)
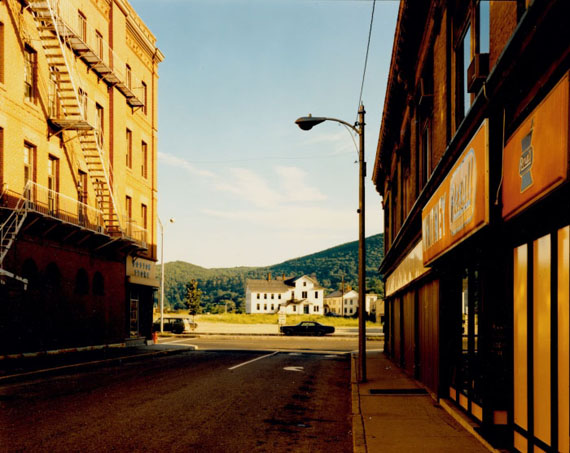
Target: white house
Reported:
point(296, 295)
point(342, 304)
point(347, 304)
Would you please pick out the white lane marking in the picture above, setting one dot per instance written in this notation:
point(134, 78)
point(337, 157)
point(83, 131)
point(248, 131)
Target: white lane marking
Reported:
point(254, 360)
point(331, 356)
point(294, 368)
point(294, 353)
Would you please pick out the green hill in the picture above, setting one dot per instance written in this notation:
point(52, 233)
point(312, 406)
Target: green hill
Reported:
point(226, 286)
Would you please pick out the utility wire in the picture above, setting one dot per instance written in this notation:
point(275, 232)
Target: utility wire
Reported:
point(366, 58)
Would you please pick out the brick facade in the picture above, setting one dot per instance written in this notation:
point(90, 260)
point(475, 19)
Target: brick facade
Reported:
point(72, 207)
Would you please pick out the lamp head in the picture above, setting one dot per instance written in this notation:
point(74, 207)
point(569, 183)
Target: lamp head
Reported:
point(172, 220)
point(307, 122)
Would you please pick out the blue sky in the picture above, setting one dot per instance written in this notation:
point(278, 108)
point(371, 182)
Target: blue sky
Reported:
point(246, 186)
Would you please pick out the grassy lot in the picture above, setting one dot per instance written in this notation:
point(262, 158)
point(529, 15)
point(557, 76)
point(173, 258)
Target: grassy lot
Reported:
point(233, 318)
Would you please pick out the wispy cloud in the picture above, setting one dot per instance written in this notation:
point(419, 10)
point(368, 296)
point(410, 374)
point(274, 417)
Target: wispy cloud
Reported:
point(294, 185)
point(287, 186)
point(175, 161)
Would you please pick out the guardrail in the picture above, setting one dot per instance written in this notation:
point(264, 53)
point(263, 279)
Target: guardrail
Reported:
point(48, 202)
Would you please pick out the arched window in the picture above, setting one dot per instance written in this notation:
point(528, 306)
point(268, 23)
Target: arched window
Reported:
point(98, 284)
point(81, 282)
point(52, 277)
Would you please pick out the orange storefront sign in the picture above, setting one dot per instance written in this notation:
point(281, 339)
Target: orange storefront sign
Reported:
point(536, 155)
point(460, 205)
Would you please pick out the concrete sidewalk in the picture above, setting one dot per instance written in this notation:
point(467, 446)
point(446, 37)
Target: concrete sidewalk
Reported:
point(391, 413)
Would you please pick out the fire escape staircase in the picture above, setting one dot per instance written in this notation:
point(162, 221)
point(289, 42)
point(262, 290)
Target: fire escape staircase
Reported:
point(8, 232)
point(68, 109)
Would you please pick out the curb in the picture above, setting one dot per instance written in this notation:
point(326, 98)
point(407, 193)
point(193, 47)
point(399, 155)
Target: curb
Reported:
point(89, 365)
point(27, 355)
point(466, 424)
point(358, 434)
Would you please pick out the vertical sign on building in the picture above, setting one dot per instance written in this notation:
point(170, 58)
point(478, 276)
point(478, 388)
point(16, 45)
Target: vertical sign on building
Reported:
point(460, 205)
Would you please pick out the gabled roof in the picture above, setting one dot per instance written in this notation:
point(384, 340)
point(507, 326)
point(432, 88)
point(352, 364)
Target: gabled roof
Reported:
point(338, 293)
point(267, 286)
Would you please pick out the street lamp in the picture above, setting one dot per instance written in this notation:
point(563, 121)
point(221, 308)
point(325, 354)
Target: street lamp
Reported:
point(162, 272)
point(306, 123)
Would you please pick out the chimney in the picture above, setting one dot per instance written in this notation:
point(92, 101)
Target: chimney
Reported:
point(269, 277)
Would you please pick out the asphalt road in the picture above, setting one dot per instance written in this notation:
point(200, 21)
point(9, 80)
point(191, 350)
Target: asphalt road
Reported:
point(201, 401)
point(273, 343)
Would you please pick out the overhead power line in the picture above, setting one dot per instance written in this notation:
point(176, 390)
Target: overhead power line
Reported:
point(366, 58)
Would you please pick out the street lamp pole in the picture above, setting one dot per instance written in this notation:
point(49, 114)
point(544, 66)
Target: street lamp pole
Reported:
point(162, 272)
point(306, 123)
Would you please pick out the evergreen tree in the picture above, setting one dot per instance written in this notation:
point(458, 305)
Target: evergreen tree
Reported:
point(193, 296)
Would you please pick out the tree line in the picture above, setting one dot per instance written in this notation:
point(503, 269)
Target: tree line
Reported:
point(223, 289)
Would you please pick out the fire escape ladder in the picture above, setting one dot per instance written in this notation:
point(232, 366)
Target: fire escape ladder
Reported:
point(68, 108)
point(8, 232)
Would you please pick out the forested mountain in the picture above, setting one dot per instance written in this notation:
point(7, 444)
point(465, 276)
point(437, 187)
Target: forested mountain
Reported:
point(225, 287)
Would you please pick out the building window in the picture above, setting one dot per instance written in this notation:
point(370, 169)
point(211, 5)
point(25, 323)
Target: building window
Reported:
point(304, 294)
point(30, 76)
point(128, 76)
point(265, 296)
point(483, 20)
point(82, 197)
point(264, 307)
point(53, 183)
point(29, 169)
point(257, 307)
point(100, 124)
point(144, 97)
point(144, 157)
point(272, 307)
point(273, 296)
point(426, 153)
point(258, 295)
point(473, 43)
point(316, 294)
point(129, 213)
point(279, 296)
point(315, 308)
point(83, 101)
point(144, 220)
point(129, 155)
point(294, 308)
point(82, 26)
point(99, 44)
point(304, 283)
point(1, 52)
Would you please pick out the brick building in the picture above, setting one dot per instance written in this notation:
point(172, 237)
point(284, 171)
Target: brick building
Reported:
point(78, 185)
point(472, 166)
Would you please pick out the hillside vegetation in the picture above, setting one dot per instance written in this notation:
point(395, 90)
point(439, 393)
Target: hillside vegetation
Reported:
point(224, 288)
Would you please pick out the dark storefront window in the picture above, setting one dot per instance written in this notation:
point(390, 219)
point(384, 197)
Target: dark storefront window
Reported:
point(466, 378)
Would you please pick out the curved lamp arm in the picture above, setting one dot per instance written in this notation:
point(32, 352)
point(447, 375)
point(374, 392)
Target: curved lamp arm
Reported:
point(308, 122)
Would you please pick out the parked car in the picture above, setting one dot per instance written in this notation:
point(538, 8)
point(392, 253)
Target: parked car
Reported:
point(307, 328)
point(175, 325)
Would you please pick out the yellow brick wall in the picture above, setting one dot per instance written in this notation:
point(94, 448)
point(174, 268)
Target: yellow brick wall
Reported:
point(23, 121)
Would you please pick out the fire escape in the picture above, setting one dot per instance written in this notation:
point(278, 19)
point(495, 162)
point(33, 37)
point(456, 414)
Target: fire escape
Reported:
point(69, 104)
point(68, 115)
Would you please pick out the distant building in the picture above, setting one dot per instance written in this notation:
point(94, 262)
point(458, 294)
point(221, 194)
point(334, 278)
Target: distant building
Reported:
point(347, 304)
point(295, 295)
point(342, 304)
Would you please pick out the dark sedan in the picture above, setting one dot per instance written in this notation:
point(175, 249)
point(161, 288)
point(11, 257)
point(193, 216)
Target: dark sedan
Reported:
point(307, 328)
